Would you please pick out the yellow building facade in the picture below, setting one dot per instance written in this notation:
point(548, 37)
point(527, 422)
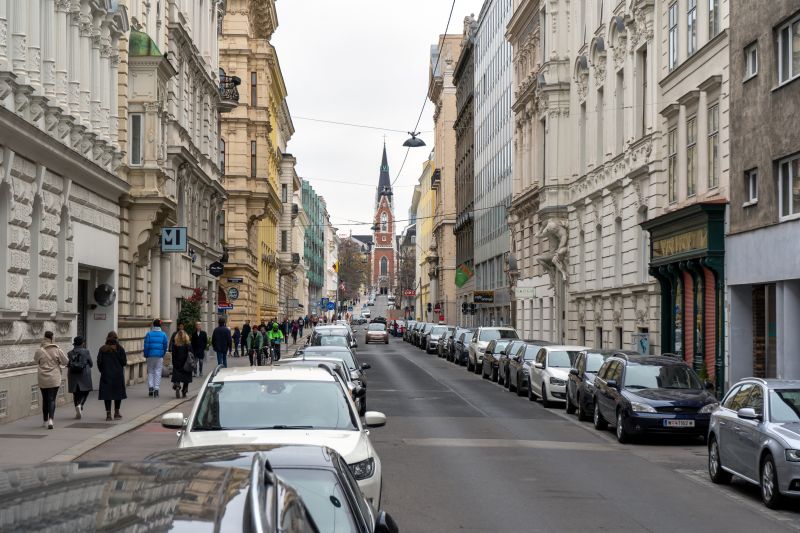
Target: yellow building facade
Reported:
point(426, 245)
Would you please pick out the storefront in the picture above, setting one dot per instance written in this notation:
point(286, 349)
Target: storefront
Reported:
point(688, 259)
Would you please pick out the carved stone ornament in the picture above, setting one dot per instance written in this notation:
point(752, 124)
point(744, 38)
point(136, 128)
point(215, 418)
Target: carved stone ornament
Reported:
point(597, 304)
point(62, 327)
point(620, 50)
point(616, 310)
point(6, 327)
point(3, 33)
point(555, 262)
point(582, 311)
point(641, 305)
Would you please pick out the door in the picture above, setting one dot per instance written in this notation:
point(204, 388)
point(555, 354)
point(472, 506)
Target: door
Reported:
point(747, 435)
point(535, 382)
point(573, 382)
point(730, 455)
point(603, 396)
point(83, 297)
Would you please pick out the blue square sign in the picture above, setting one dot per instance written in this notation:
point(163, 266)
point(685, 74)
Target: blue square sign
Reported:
point(174, 240)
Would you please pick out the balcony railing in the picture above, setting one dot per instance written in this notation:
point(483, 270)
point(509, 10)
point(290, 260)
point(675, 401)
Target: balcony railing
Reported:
point(228, 93)
point(436, 179)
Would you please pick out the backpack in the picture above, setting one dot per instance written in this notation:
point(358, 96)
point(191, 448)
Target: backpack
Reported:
point(76, 365)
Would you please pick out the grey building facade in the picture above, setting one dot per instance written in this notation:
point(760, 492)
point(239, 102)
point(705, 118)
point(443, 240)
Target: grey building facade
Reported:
point(763, 244)
point(493, 186)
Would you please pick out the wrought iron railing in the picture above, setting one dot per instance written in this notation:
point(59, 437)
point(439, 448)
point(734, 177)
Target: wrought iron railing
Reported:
point(227, 86)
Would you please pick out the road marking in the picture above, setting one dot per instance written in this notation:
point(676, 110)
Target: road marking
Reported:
point(512, 443)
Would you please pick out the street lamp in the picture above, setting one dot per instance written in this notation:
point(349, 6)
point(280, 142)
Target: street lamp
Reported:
point(414, 141)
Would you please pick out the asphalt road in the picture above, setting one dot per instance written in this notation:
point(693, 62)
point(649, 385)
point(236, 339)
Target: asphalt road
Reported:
point(462, 454)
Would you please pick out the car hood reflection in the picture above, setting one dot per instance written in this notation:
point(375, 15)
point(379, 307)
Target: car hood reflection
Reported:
point(348, 444)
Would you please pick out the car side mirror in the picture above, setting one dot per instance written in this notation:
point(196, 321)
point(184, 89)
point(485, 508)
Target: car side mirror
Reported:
point(574, 372)
point(612, 384)
point(374, 419)
point(365, 366)
point(173, 420)
point(709, 386)
point(748, 413)
point(538, 365)
point(359, 392)
point(385, 524)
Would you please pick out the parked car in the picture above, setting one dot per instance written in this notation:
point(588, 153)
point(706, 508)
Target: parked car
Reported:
point(550, 371)
point(491, 358)
point(431, 341)
point(357, 391)
point(505, 356)
point(409, 328)
point(422, 335)
point(358, 371)
point(519, 366)
point(415, 333)
point(451, 346)
point(332, 335)
point(282, 405)
point(444, 343)
point(651, 394)
point(461, 346)
point(377, 332)
point(321, 477)
point(580, 384)
point(481, 339)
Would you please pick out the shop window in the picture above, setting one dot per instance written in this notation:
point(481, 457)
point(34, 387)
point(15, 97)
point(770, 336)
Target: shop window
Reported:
point(750, 61)
point(789, 51)
point(789, 187)
point(751, 187)
point(765, 352)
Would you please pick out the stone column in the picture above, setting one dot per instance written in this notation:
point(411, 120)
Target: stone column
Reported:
point(34, 51)
point(48, 47)
point(85, 68)
point(96, 76)
point(166, 285)
point(19, 37)
point(74, 61)
point(105, 85)
point(4, 34)
point(114, 91)
point(61, 45)
point(155, 282)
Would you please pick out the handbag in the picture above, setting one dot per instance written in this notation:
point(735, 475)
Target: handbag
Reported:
point(191, 363)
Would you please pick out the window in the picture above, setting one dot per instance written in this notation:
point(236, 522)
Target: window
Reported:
point(598, 257)
point(253, 154)
point(673, 35)
point(583, 139)
point(284, 241)
point(384, 266)
point(672, 166)
point(620, 105)
point(222, 155)
point(713, 146)
point(620, 345)
point(284, 193)
point(751, 186)
point(789, 51)
point(691, 27)
point(618, 251)
point(137, 139)
point(384, 222)
point(600, 136)
point(254, 89)
point(789, 186)
point(691, 156)
point(35, 250)
point(713, 18)
point(737, 397)
point(750, 61)
point(598, 338)
point(641, 72)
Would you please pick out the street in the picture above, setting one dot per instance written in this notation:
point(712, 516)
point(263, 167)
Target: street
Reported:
point(462, 454)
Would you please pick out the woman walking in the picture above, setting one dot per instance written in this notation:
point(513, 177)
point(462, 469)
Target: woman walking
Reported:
point(199, 345)
point(49, 358)
point(111, 361)
point(181, 376)
point(79, 374)
point(295, 329)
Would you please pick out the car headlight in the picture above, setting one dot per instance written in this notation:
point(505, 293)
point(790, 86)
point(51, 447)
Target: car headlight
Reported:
point(793, 455)
point(708, 408)
point(556, 381)
point(363, 469)
point(637, 407)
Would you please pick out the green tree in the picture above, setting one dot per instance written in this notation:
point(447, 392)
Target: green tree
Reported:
point(191, 310)
point(353, 269)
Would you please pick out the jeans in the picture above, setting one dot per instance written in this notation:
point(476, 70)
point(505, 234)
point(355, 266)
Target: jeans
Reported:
point(79, 398)
point(222, 359)
point(49, 396)
point(154, 367)
point(200, 364)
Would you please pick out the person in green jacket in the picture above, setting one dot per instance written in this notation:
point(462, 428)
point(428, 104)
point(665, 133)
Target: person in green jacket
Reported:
point(275, 336)
point(255, 341)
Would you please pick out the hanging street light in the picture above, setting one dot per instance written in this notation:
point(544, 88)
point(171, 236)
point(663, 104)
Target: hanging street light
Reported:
point(414, 141)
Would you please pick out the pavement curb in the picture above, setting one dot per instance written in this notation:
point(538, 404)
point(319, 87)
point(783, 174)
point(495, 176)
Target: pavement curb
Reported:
point(70, 454)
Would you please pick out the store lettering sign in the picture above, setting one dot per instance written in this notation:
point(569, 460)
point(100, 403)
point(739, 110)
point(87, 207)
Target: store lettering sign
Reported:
point(681, 243)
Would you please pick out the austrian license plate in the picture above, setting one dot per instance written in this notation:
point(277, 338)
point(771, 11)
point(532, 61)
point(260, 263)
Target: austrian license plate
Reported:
point(679, 423)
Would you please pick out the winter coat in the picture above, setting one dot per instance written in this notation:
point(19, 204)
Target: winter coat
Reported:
point(50, 359)
point(155, 343)
point(237, 336)
point(179, 356)
point(111, 361)
point(221, 339)
point(245, 333)
point(80, 382)
point(199, 344)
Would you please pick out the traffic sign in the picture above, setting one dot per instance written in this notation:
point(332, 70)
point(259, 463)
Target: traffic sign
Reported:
point(235, 280)
point(437, 309)
point(409, 292)
point(174, 240)
point(331, 306)
point(233, 293)
point(216, 268)
point(350, 309)
point(227, 307)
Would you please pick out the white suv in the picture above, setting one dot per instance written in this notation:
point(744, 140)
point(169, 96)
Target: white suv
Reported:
point(550, 372)
point(283, 405)
point(481, 339)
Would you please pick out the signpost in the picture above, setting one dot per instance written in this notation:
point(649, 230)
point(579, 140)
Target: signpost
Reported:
point(174, 240)
point(292, 303)
point(331, 306)
point(216, 268)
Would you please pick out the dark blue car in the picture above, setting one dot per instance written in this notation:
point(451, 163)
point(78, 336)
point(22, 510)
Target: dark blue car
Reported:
point(651, 395)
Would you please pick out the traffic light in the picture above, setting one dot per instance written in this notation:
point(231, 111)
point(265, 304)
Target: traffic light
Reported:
point(472, 308)
point(430, 307)
point(464, 308)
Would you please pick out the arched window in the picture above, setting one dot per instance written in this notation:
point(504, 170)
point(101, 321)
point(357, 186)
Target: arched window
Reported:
point(384, 266)
point(384, 222)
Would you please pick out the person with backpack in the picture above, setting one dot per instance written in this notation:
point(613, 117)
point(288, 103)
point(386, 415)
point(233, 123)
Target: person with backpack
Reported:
point(295, 330)
point(49, 359)
point(245, 333)
point(255, 343)
point(237, 337)
point(221, 341)
point(79, 374)
point(111, 361)
point(182, 367)
point(275, 337)
point(199, 345)
point(155, 347)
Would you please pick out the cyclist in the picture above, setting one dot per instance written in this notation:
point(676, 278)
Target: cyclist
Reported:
point(255, 342)
point(275, 337)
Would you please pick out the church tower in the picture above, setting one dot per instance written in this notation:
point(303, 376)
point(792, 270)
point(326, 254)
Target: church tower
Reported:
point(383, 233)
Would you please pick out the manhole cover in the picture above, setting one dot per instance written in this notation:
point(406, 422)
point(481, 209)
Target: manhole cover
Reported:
point(18, 436)
point(89, 425)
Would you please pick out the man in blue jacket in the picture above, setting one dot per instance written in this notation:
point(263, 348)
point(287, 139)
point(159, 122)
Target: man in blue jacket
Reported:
point(221, 341)
point(155, 346)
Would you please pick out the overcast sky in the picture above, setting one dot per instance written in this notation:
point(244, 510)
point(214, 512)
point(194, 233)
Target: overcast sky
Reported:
point(364, 62)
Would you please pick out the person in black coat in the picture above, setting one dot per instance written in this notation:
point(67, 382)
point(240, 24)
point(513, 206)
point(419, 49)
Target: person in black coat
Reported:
point(79, 374)
point(111, 361)
point(199, 345)
point(245, 333)
point(181, 376)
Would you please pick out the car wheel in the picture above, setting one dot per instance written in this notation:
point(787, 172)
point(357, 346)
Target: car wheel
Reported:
point(386, 341)
point(581, 411)
point(511, 386)
point(770, 490)
point(363, 409)
point(600, 423)
point(478, 369)
point(570, 407)
point(531, 397)
point(715, 471)
point(622, 435)
point(545, 401)
point(495, 375)
point(469, 365)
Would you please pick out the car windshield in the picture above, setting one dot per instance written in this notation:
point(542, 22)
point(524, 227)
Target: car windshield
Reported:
point(438, 330)
point(274, 404)
point(324, 497)
point(784, 406)
point(343, 355)
point(561, 359)
point(594, 361)
point(428, 328)
point(329, 340)
point(376, 326)
point(493, 334)
point(500, 345)
point(661, 377)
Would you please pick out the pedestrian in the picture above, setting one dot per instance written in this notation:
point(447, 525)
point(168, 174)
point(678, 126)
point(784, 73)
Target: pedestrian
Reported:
point(295, 329)
point(199, 346)
point(221, 342)
point(79, 374)
point(394, 328)
point(111, 361)
point(49, 358)
point(300, 325)
point(237, 336)
point(254, 344)
point(181, 371)
point(155, 347)
point(245, 333)
point(172, 338)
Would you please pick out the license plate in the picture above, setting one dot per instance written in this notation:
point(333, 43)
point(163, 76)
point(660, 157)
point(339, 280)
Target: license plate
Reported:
point(679, 423)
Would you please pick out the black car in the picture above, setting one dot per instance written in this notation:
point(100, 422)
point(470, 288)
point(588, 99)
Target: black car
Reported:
point(491, 358)
point(580, 386)
point(321, 477)
point(444, 343)
point(519, 366)
point(451, 344)
point(651, 394)
point(461, 347)
point(151, 496)
point(422, 335)
point(505, 357)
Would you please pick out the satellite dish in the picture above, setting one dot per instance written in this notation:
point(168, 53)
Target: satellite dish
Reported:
point(105, 295)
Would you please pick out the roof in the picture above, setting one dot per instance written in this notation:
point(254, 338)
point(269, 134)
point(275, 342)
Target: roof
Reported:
point(241, 455)
point(286, 373)
point(384, 181)
point(140, 44)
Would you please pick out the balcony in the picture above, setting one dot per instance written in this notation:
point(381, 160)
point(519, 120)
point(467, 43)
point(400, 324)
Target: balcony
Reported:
point(295, 210)
point(295, 259)
point(228, 93)
point(436, 178)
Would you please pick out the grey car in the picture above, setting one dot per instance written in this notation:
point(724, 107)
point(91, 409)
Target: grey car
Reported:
point(755, 435)
point(431, 342)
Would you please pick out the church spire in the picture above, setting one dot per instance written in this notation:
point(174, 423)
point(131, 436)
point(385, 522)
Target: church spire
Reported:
point(384, 182)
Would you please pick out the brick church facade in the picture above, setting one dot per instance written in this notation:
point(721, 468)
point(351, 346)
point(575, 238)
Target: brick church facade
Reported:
point(384, 244)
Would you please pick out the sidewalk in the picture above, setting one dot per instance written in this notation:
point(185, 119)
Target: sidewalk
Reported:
point(25, 441)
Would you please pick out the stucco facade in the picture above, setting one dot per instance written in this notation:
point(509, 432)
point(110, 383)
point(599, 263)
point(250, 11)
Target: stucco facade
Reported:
point(424, 201)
